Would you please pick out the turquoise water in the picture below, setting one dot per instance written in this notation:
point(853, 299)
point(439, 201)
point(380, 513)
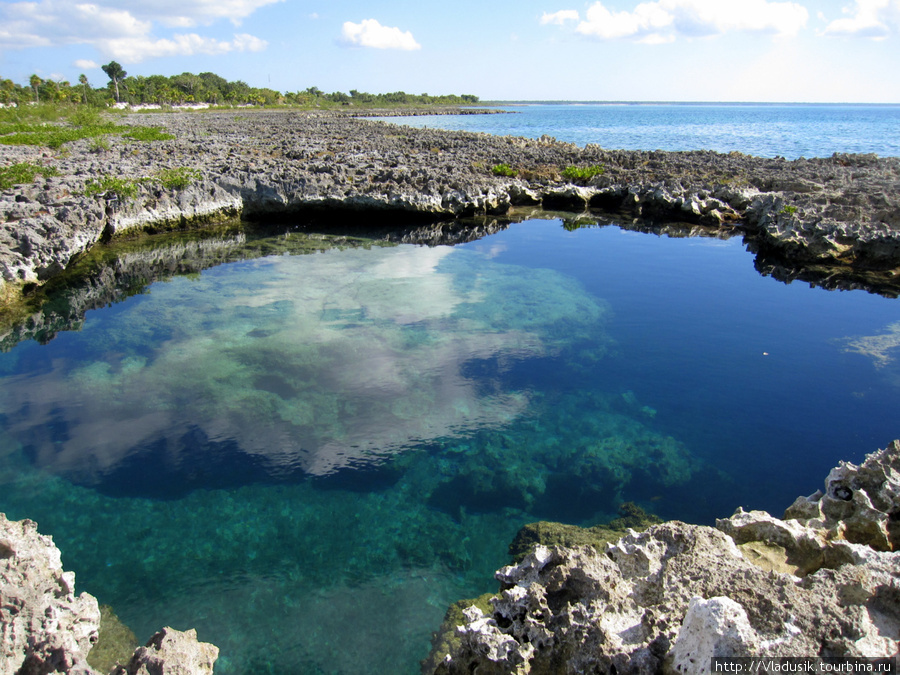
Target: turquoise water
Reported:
point(765, 130)
point(309, 457)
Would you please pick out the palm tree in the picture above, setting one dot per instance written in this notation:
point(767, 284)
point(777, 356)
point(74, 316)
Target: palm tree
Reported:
point(35, 83)
point(115, 73)
point(84, 82)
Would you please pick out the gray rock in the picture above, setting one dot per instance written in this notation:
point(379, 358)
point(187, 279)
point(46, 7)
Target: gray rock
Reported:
point(668, 599)
point(45, 628)
point(172, 652)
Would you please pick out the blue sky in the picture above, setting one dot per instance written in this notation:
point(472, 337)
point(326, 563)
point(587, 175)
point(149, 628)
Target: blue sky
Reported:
point(675, 50)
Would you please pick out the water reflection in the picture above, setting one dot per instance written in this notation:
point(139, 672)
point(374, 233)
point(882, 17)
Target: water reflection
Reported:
point(293, 365)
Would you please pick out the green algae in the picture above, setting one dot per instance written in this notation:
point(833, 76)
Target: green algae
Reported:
point(597, 536)
point(115, 645)
point(446, 639)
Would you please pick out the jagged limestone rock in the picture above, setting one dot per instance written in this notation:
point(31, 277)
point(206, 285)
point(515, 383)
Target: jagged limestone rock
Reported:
point(715, 627)
point(667, 599)
point(172, 652)
point(860, 503)
point(44, 626)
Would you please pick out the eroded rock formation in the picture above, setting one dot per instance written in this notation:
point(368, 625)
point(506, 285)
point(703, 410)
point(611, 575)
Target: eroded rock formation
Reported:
point(841, 209)
point(823, 581)
point(45, 628)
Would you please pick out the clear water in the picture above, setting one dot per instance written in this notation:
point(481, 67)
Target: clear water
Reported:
point(309, 457)
point(775, 130)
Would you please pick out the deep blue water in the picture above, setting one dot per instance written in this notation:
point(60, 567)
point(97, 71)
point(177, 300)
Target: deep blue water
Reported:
point(765, 130)
point(309, 457)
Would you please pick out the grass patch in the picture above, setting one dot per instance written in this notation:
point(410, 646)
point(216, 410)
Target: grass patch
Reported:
point(178, 178)
point(23, 173)
point(148, 134)
point(504, 170)
point(788, 210)
point(127, 188)
point(582, 173)
point(123, 188)
point(53, 127)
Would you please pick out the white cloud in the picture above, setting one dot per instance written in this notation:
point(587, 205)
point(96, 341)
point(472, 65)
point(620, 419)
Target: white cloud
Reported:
point(874, 19)
point(130, 50)
point(185, 13)
point(660, 21)
point(645, 22)
point(372, 34)
point(125, 30)
point(559, 18)
point(86, 64)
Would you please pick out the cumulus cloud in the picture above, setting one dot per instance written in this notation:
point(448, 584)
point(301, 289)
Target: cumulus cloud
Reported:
point(124, 30)
point(875, 19)
point(559, 18)
point(666, 20)
point(370, 33)
point(86, 64)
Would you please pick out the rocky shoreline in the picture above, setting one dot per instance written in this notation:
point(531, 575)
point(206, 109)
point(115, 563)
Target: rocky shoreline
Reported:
point(824, 582)
point(841, 213)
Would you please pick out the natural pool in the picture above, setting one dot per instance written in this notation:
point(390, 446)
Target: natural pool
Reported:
point(309, 457)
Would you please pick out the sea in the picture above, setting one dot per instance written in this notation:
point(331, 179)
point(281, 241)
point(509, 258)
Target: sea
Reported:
point(765, 130)
point(308, 448)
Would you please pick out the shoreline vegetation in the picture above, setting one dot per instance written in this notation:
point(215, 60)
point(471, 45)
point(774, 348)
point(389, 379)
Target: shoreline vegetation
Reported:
point(200, 91)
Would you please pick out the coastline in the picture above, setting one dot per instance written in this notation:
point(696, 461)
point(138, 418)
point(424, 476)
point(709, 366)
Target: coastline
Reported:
point(840, 214)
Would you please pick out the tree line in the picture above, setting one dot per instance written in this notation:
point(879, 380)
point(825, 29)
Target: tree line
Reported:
point(188, 88)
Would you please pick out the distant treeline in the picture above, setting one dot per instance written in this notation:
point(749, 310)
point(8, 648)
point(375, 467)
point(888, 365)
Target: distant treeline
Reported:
point(205, 88)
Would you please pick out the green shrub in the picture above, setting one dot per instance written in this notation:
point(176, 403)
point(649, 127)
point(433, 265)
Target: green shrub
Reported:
point(99, 144)
point(86, 116)
point(582, 173)
point(23, 173)
point(788, 210)
point(504, 170)
point(178, 178)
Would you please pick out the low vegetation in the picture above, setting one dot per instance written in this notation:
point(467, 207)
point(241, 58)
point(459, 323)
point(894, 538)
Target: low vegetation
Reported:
point(504, 170)
point(23, 173)
point(585, 173)
point(177, 178)
point(105, 186)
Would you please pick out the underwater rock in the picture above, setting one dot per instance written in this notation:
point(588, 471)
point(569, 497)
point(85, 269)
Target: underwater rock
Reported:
point(669, 598)
point(45, 628)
